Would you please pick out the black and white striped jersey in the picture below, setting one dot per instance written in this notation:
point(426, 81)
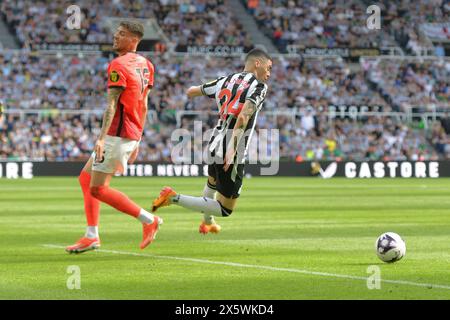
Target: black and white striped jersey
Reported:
point(230, 94)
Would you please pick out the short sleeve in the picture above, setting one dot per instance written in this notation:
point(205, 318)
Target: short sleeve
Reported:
point(116, 75)
point(151, 74)
point(258, 94)
point(209, 89)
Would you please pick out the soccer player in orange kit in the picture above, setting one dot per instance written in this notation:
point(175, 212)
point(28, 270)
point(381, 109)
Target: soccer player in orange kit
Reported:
point(130, 78)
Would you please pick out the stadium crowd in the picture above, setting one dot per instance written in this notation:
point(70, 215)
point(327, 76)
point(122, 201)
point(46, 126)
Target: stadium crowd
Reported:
point(375, 138)
point(406, 20)
point(330, 23)
point(56, 137)
point(324, 23)
point(52, 83)
point(33, 81)
point(302, 87)
point(187, 22)
point(405, 84)
point(78, 82)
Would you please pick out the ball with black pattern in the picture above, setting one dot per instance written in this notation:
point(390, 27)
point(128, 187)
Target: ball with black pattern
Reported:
point(390, 247)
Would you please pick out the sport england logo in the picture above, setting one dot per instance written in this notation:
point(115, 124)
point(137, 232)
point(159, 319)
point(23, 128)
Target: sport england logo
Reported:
point(329, 172)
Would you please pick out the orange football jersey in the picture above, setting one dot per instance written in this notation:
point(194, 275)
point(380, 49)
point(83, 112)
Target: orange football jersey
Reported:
point(135, 74)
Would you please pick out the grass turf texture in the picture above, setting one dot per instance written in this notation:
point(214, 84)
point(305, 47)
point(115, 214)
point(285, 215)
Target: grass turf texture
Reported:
point(309, 224)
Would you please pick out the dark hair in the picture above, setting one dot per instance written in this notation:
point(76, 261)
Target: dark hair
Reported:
point(257, 53)
point(135, 28)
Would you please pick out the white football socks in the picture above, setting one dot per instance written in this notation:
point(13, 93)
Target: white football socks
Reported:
point(202, 204)
point(91, 232)
point(208, 192)
point(145, 217)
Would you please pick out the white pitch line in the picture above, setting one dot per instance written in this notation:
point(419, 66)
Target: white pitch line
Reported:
point(241, 265)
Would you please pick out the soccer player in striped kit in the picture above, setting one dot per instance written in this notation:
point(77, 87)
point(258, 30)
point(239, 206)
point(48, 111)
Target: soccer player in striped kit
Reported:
point(239, 98)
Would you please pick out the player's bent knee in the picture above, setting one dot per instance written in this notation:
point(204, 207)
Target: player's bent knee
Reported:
point(97, 191)
point(225, 211)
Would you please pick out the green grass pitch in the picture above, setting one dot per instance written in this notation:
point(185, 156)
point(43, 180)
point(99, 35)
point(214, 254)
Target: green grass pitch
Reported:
point(288, 238)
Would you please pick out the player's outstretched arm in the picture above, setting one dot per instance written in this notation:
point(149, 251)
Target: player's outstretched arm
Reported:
point(246, 113)
point(194, 91)
point(108, 116)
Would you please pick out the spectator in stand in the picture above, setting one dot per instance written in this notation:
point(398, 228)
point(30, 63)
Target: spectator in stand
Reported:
point(252, 6)
point(445, 123)
point(2, 111)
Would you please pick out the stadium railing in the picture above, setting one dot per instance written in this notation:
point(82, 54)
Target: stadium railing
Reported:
point(392, 51)
point(152, 115)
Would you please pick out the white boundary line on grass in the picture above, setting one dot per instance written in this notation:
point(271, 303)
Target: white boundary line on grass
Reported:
point(241, 265)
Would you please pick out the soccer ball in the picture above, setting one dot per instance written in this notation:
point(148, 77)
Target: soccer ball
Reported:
point(390, 247)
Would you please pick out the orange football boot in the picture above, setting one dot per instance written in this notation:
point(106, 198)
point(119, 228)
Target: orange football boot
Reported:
point(206, 228)
point(83, 245)
point(149, 231)
point(164, 198)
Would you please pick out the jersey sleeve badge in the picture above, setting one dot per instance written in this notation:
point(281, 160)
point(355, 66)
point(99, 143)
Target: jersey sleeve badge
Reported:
point(114, 76)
